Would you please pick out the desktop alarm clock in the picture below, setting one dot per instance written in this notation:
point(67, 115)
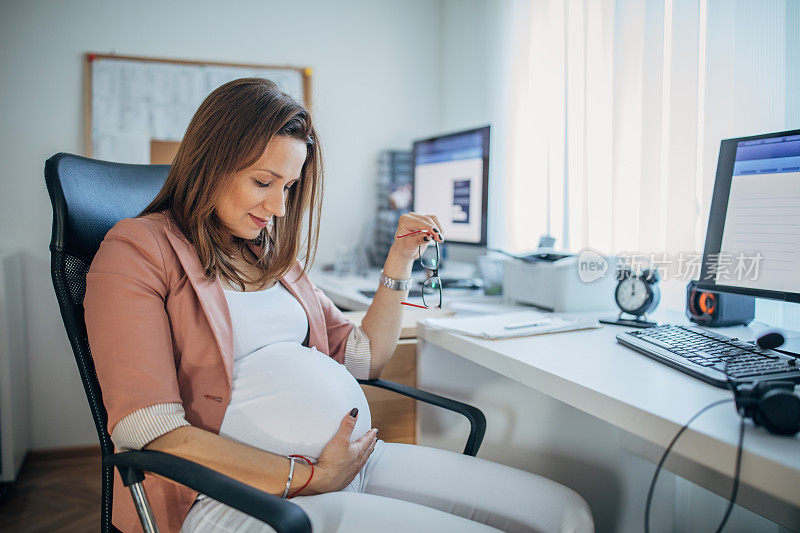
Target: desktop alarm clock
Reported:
point(636, 294)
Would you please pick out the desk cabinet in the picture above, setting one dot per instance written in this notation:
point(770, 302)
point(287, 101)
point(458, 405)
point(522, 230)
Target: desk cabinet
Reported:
point(394, 415)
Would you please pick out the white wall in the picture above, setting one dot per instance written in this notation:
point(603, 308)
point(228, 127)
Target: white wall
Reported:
point(476, 67)
point(375, 86)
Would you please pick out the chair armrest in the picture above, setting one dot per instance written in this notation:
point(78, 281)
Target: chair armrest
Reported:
point(477, 421)
point(281, 514)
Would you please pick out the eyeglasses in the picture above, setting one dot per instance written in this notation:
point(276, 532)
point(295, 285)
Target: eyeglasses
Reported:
point(432, 286)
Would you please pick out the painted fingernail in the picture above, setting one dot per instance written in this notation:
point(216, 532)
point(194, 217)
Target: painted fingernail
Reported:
point(436, 230)
point(354, 412)
point(426, 239)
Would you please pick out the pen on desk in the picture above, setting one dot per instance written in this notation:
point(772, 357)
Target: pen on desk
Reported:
point(520, 325)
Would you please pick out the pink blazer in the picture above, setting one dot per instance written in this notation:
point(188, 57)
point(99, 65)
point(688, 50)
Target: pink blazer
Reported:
point(161, 333)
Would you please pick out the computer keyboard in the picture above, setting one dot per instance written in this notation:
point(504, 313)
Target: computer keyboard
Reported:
point(703, 354)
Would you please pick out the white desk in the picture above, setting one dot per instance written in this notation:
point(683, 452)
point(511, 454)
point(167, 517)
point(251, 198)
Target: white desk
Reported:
point(648, 401)
point(344, 291)
point(591, 372)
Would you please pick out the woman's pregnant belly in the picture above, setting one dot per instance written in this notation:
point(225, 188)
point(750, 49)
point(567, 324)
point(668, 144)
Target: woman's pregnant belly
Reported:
point(289, 399)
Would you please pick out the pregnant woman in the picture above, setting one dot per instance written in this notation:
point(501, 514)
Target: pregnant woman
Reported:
point(212, 344)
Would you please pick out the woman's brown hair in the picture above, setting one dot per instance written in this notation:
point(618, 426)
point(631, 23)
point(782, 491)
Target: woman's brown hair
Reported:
point(228, 133)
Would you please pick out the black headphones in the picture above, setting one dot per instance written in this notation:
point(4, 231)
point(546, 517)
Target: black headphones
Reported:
point(771, 404)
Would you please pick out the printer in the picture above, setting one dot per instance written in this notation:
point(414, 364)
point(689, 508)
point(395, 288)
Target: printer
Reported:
point(561, 282)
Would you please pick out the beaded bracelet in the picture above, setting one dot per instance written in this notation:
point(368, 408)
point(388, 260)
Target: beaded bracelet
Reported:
point(307, 460)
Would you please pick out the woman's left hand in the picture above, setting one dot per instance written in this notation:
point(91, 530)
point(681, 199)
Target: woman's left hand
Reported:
point(424, 229)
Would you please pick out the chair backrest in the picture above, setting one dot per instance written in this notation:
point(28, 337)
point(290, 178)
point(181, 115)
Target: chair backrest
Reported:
point(88, 198)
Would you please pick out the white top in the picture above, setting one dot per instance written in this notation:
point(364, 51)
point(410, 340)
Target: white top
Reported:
point(286, 398)
point(257, 324)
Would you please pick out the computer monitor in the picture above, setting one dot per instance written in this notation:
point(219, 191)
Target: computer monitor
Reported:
point(753, 238)
point(451, 181)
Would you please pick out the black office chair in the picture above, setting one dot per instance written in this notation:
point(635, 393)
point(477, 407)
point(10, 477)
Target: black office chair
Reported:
point(89, 197)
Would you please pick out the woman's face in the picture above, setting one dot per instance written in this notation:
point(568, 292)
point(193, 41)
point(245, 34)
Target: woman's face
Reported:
point(259, 191)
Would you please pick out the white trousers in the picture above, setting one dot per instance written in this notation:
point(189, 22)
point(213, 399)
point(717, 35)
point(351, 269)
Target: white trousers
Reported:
point(414, 488)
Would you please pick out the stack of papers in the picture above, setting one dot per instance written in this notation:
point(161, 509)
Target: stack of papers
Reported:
point(509, 325)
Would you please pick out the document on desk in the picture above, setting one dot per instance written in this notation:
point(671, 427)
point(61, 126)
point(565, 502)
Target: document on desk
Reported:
point(510, 325)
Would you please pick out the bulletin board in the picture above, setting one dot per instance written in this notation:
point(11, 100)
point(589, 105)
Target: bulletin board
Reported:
point(138, 108)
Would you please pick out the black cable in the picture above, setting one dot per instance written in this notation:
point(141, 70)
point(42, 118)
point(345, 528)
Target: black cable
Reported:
point(664, 458)
point(737, 468)
point(735, 489)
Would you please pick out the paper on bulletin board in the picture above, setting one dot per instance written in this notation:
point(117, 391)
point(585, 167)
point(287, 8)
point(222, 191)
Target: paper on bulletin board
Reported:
point(134, 102)
point(122, 148)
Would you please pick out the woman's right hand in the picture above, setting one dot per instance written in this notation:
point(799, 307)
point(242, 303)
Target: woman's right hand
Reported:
point(341, 460)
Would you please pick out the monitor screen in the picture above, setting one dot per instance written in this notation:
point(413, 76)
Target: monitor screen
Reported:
point(451, 181)
point(753, 239)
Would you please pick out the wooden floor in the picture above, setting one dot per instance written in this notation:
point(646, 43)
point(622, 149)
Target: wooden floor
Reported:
point(54, 492)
